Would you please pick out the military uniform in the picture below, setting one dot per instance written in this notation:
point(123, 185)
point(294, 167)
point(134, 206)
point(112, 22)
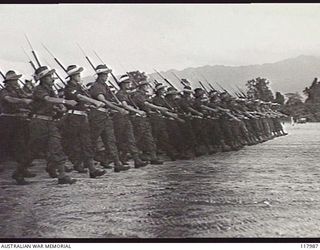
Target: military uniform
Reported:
point(159, 128)
point(189, 138)
point(14, 131)
point(77, 130)
point(101, 124)
point(142, 127)
point(44, 133)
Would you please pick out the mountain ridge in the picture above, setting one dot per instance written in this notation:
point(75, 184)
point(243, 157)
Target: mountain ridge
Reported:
point(287, 75)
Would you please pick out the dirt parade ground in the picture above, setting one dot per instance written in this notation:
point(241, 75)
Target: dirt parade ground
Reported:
point(266, 190)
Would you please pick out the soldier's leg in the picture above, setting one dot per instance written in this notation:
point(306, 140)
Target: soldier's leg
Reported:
point(55, 155)
point(144, 138)
point(21, 150)
point(109, 141)
point(72, 140)
point(188, 142)
point(131, 144)
point(149, 141)
point(161, 136)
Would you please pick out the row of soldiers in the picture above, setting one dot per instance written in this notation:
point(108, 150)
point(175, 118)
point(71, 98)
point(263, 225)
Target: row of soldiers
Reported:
point(87, 124)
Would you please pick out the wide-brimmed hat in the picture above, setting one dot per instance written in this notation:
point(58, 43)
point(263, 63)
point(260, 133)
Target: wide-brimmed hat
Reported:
point(187, 89)
point(124, 79)
point(103, 69)
point(73, 70)
point(172, 91)
point(11, 75)
point(42, 72)
point(143, 83)
point(159, 86)
point(198, 92)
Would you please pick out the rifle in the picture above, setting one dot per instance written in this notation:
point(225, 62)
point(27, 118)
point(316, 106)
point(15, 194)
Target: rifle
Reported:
point(165, 79)
point(184, 85)
point(223, 88)
point(57, 61)
point(244, 95)
point(94, 69)
point(2, 77)
point(113, 76)
point(33, 52)
point(30, 61)
point(92, 66)
point(204, 87)
point(65, 70)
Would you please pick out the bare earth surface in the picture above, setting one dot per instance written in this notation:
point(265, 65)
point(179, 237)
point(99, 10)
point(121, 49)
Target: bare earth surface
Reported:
point(266, 190)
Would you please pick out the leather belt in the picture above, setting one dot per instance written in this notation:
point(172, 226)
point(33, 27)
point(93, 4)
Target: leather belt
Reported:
point(77, 112)
point(15, 114)
point(43, 117)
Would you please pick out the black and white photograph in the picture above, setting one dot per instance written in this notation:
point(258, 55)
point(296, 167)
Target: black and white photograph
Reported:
point(159, 121)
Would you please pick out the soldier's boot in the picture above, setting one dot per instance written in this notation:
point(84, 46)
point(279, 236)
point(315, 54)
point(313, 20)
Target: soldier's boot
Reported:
point(118, 167)
point(79, 167)
point(145, 157)
point(201, 150)
point(154, 159)
point(93, 172)
point(52, 172)
point(19, 178)
point(225, 147)
point(211, 149)
point(62, 177)
point(66, 180)
point(106, 164)
point(28, 174)
point(68, 168)
point(124, 158)
point(172, 154)
point(138, 163)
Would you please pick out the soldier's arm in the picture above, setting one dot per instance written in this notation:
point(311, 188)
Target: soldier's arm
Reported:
point(209, 109)
point(101, 98)
point(90, 100)
point(153, 106)
point(194, 112)
point(132, 109)
point(17, 100)
point(55, 100)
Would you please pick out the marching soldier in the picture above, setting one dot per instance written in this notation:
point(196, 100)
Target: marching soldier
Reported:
point(101, 123)
point(44, 133)
point(159, 123)
point(181, 142)
point(76, 124)
point(124, 128)
point(14, 125)
point(142, 126)
point(186, 106)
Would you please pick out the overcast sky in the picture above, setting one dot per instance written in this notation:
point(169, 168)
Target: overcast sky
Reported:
point(145, 36)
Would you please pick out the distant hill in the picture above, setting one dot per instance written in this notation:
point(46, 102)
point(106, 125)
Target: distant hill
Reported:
point(288, 75)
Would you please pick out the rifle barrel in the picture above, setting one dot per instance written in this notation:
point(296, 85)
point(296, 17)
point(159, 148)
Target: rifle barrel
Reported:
point(87, 58)
point(56, 59)
point(204, 87)
point(33, 52)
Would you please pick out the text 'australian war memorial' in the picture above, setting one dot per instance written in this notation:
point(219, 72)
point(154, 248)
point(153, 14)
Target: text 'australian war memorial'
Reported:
point(87, 151)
